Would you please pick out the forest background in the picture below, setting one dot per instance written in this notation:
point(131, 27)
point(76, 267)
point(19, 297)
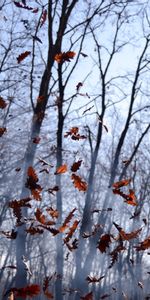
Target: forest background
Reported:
point(74, 102)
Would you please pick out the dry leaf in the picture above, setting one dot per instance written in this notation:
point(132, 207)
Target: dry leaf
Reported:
point(62, 169)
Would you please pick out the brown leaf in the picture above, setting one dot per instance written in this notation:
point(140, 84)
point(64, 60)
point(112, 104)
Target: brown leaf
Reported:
point(129, 198)
point(105, 296)
point(114, 253)
point(28, 291)
point(62, 169)
point(42, 219)
point(64, 56)
point(43, 18)
point(78, 86)
point(67, 220)
point(34, 230)
point(143, 245)
point(91, 279)
point(3, 104)
point(127, 236)
point(104, 242)
point(88, 296)
point(2, 130)
point(73, 245)
point(75, 167)
point(79, 183)
point(10, 234)
point(31, 184)
point(54, 213)
point(71, 231)
point(36, 140)
point(121, 183)
point(22, 56)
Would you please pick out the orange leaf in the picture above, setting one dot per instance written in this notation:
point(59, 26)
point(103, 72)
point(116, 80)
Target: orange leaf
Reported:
point(64, 56)
point(61, 169)
point(3, 104)
point(42, 219)
point(28, 291)
point(2, 130)
point(54, 213)
point(67, 220)
point(31, 183)
point(121, 183)
point(79, 183)
point(22, 56)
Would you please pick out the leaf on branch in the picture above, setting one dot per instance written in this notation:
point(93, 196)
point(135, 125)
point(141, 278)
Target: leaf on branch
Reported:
point(75, 167)
point(91, 279)
point(62, 169)
point(67, 220)
point(71, 231)
point(79, 183)
point(43, 18)
point(54, 213)
point(104, 242)
point(88, 296)
point(121, 183)
point(64, 56)
point(22, 56)
point(31, 184)
point(78, 86)
point(42, 219)
point(3, 103)
point(143, 245)
point(2, 130)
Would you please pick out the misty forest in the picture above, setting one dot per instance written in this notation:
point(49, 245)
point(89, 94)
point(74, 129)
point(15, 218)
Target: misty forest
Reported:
point(74, 149)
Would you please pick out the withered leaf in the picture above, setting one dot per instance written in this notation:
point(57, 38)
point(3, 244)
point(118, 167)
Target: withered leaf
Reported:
point(79, 183)
point(121, 183)
point(88, 296)
point(78, 86)
point(71, 231)
point(54, 213)
point(43, 18)
point(127, 236)
point(42, 219)
point(94, 279)
point(28, 291)
point(76, 165)
point(22, 56)
point(143, 245)
point(114, 253)
point(31, 183)
point(3, 103)
point(64, 56)
point(34, 230)
point(2, 130)
point(104, 242)
point(66, 221)
point(62, 169)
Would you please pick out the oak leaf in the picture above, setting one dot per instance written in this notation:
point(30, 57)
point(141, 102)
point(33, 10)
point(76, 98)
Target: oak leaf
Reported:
point(104, 242)
point(64, 56)
point(88, 296)
point(3, 104)
point(143, 245)
point(43, 18)
point(76, 165)
point(62, 169)
point(79, 183)
point(31, 183)
point(22, 56)
point(2, 130)
point(121, 183)
point(127, 236)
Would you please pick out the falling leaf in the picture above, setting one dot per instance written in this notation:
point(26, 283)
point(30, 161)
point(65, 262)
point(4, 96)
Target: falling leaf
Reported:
point(94, 279)
point(31, 184)
point(129, 198)
point(75, 167)
point(54, 213)
point(66, 221)
point(43, 18)
point(73, 245)
point(140, 284)
point(23, 5)
point(79, 183)
point(104, 242)
point(10, 234)
point(36, 140)
point(121, 183)
point(88, 296)
point(2, 130)
point(62, 169)
point(34, 230)
point(22, 56)
point(71, 231)
point(127, 236)
point(54, 189)
point(64, 56)
point(28, 291)
point(16, 206)
point(42, 219)
point(114, 253)
point(3, 104)
point(143, 245)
